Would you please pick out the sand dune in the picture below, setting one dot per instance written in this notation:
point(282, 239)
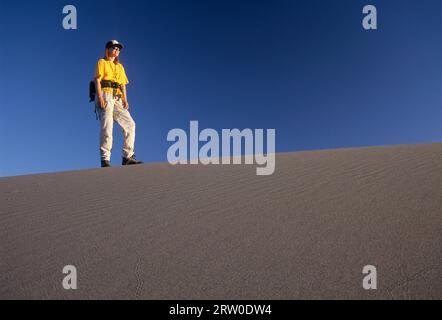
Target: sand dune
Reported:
point(158, 231)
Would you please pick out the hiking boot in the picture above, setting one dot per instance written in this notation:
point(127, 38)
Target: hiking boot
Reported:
point(105, 163)
point(131, 160)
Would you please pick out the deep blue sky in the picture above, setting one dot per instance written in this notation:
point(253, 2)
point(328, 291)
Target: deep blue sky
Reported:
point(303, 67)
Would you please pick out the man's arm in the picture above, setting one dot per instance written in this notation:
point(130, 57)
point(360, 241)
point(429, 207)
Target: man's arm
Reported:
point(124, 98)
point(98, 75)
point(99, 92)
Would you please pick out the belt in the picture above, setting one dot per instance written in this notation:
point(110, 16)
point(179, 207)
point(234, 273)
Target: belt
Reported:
point(113, 85)
point(109, 84)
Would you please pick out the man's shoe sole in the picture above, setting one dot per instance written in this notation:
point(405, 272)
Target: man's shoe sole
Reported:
point(131, 164)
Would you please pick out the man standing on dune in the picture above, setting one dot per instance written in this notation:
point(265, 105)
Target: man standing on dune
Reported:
point(111, 104)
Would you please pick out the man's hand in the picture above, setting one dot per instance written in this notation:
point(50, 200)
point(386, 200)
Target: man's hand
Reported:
point(125, 104)
point(102, 104)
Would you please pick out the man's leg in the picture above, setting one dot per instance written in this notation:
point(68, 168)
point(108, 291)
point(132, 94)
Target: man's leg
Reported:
point(127, 124)
point(124, 119)
point(106, 127)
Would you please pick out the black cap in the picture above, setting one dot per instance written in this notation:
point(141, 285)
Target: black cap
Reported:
point(113, 43)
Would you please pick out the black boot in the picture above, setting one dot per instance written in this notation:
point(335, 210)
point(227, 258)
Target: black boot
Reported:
point(131, 160)
point(105, 163)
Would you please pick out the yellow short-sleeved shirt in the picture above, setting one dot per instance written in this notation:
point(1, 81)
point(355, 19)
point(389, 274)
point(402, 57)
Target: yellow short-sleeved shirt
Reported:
point(107, 70)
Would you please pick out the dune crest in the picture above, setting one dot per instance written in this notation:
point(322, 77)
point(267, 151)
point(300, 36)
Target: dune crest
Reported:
point(157, 231)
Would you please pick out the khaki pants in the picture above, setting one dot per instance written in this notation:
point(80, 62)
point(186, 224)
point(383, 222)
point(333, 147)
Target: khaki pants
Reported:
point(114, 111)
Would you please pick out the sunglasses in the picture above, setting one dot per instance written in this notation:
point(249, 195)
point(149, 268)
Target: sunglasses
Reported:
point(115, 48)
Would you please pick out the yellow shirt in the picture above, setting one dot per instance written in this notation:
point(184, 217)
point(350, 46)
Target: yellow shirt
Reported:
point(107, 70)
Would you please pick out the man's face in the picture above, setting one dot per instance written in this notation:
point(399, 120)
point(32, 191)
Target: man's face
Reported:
point(114, 51)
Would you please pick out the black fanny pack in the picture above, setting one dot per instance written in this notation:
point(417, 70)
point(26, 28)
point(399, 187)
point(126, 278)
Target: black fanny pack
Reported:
point(104, 84)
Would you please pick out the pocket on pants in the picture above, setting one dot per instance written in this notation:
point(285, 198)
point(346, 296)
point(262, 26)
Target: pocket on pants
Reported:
point(106, 101)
